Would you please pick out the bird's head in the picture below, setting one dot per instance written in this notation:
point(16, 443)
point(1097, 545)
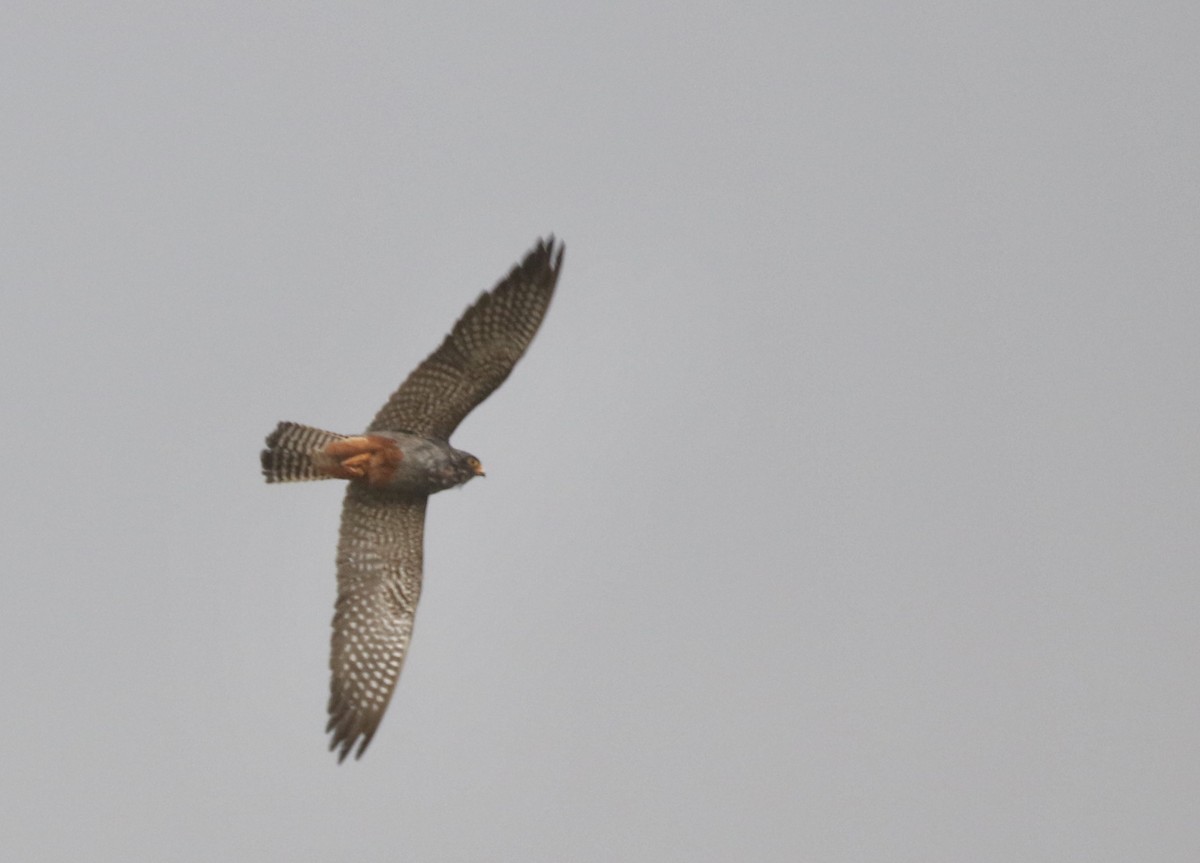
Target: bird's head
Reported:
point(473, 465)
point(467, 466)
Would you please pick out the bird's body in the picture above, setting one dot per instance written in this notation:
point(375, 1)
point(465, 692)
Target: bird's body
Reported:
point(387, 461)
point(403, 457)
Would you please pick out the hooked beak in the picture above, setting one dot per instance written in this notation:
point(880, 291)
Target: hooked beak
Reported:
point(479, 470)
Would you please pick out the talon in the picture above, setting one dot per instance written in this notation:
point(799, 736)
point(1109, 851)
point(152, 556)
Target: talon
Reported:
point(356, 465)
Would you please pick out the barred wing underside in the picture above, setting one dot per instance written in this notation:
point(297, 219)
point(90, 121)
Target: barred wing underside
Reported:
point(379, 582)
point(479, 353)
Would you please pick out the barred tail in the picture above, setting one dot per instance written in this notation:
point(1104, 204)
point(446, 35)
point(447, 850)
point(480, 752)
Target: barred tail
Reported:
point(290, 450)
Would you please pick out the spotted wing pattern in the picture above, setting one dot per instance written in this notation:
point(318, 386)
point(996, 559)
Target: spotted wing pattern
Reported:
point(479, 353)
point(379, 582)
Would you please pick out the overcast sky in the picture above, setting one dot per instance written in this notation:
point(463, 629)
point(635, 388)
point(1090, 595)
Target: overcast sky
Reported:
point(844, 509)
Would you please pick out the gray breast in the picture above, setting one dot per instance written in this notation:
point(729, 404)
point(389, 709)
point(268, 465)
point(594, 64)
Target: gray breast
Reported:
point(428, 466)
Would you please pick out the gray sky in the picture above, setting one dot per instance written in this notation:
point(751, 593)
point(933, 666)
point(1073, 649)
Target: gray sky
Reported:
point(845, 508)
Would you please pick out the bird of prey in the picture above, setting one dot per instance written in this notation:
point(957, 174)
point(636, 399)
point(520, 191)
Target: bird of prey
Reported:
point(403, 457)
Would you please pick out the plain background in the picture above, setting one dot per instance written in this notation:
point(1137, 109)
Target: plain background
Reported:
point(845, 508)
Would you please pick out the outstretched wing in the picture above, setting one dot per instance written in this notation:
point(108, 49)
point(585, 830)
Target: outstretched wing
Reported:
point(479, 353)
point(379, 583)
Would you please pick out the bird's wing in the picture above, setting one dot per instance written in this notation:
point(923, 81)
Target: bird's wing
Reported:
point(479, 353)
point(379, 582)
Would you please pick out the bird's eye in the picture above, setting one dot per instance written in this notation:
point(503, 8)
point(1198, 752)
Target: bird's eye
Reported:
point(473, 462)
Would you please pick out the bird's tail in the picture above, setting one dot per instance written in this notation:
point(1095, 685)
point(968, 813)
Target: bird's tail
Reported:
point(289, 456)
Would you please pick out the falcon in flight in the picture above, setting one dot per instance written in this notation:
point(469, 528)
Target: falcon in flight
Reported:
point(393, 467)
